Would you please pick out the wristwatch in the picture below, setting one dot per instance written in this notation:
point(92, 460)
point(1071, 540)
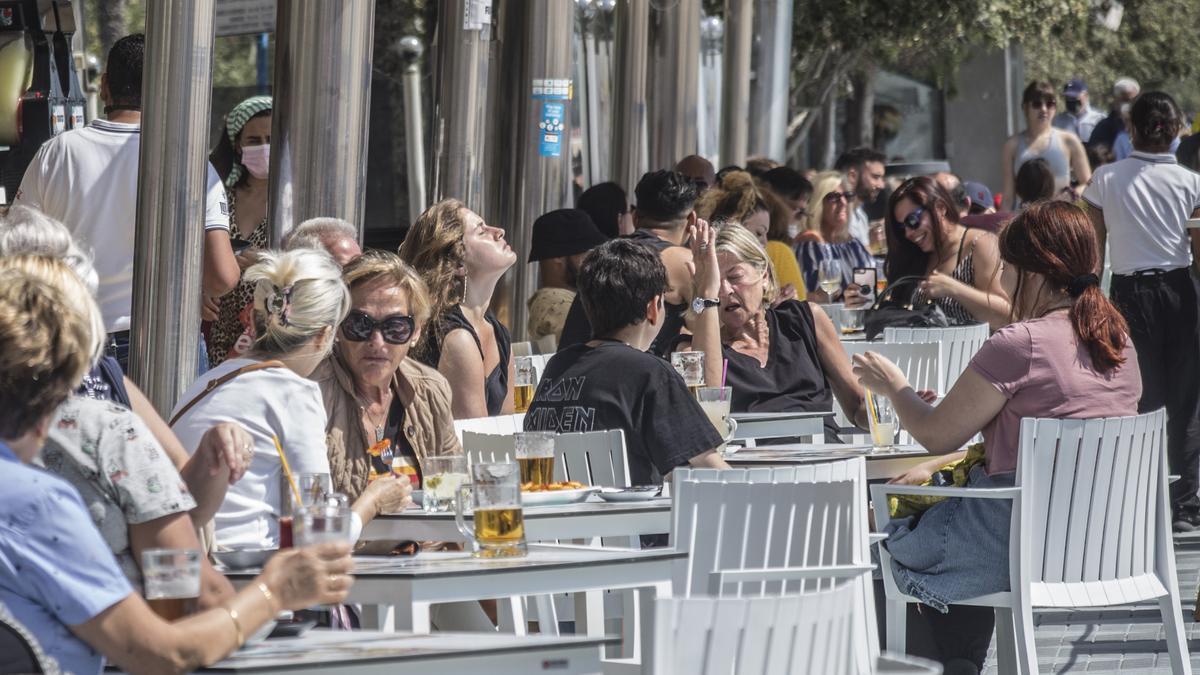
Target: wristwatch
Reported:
point(700, 304)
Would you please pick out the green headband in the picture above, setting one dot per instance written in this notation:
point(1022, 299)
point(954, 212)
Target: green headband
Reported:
point(236, 120)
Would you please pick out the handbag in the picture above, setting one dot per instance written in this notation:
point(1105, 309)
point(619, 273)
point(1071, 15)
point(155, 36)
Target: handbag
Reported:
point(951, 474)
point(900, 312)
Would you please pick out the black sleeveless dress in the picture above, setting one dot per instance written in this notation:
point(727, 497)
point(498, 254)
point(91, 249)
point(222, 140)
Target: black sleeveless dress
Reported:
point(495, 386)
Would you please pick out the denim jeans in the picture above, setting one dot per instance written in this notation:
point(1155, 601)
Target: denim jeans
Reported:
point(118, 348)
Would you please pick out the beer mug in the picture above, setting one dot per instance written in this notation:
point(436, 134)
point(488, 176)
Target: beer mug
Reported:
point(494, 496)
point(535, 456)
point(525, 377)
point(171, 580)
point(690, 366)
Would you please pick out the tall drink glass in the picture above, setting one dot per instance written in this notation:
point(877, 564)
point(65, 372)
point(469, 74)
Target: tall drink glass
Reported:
point(324, 521)
point(535, 456)
point(524, 382)
point(883, 422)
point(442, 475)
point(171, 580)
point(494, 496)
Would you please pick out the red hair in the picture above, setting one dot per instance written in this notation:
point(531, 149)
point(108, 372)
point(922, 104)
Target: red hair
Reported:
point(1056, 240)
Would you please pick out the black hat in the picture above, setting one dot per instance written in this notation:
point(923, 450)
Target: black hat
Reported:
point(563, 233)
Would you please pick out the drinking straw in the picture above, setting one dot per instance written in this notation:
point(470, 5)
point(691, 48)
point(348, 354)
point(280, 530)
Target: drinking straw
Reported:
point(287, 471)
point(871, 408)
point(724, 370)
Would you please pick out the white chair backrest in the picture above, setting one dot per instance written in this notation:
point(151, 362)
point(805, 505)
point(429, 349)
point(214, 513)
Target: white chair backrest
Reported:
point(757, 518)
point(807, 633)
point(959, 344)
point(921, 362)
point(591, 457)
point(1093, 497)
point(499, 424)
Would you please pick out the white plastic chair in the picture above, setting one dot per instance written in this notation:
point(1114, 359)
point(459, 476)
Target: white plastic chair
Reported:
point(740, 521)
point(806, 633)
point(1090, 528)
point(499, 424)
point(959, 344)
point(921, 362)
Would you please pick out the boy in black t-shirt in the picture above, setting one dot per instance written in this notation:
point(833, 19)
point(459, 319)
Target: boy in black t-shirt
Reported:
point(611, 382)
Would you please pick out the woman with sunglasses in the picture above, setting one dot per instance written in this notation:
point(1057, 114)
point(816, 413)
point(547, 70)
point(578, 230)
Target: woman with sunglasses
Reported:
point(461, 259)
point(385, 410)
point(828, 237)
point(960, 266)
point(1064, 152)
point(299, 299)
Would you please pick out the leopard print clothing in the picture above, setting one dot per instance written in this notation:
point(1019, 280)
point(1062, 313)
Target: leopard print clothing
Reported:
point(228, 327)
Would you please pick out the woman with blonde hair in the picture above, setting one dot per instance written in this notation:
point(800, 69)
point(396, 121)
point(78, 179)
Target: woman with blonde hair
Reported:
point(60, 580)
point(828, 237)
point(384, 408)
point(299, 299)
point(784, 358)
point(738, 197)
point(461, 259)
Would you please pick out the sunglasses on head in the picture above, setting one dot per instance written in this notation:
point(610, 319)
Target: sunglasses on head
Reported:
point(912, 221)
point(834, 196)
point(395, 330)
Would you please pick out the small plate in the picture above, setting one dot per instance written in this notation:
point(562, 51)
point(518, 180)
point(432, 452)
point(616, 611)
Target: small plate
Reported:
point(556, 497)
point(243, 559)
point(640, 493)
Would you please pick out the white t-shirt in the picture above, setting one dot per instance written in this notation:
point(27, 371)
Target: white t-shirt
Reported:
point(87, 178)
point(1146, 199)
point(266, 403)
point(860, 226)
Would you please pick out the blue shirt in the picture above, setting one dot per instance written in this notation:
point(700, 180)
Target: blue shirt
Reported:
point(55, 569)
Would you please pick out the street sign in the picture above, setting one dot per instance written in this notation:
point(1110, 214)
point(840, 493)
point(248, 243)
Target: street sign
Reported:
point(244, 17)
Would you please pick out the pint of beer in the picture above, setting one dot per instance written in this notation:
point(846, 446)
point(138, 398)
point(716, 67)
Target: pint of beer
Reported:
point(535, 455)
point(494, 501)
point(525, 379)
point(171, 581)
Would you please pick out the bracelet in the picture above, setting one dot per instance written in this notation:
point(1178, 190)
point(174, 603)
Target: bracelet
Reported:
point(237, 625)
point(262, 586)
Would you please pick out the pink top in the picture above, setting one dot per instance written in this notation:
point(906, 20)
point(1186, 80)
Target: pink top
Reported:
point(1043, 371)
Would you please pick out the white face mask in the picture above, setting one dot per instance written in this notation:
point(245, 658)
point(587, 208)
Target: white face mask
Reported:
point(257, 159)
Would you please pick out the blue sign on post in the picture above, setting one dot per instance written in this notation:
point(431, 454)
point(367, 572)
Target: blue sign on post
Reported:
point(550, 129)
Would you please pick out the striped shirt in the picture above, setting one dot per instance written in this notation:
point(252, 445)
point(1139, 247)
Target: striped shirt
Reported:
point(851, 253)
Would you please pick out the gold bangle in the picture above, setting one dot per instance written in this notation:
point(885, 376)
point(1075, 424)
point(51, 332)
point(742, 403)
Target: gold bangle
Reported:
point(262, 586)
point(237, 625)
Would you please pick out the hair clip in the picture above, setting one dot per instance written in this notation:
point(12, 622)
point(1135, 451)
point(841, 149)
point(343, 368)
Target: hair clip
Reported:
point(279, 302)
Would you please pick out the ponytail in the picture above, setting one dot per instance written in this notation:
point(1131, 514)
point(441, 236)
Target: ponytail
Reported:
point(1056, 240)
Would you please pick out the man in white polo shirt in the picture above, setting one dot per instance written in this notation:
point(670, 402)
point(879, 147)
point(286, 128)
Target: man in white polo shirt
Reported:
point(1141, 205)
point(87, 178)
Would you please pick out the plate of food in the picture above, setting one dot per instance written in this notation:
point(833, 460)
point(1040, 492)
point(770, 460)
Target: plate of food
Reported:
point(637, 493)
point(567, 492)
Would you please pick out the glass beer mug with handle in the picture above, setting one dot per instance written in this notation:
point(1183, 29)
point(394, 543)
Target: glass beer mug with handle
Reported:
point(524, 383)
point(494, 497)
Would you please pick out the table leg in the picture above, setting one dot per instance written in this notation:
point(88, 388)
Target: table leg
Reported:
point(413, 617)
point(646, 597)
point(589, 613)
point(379, 617)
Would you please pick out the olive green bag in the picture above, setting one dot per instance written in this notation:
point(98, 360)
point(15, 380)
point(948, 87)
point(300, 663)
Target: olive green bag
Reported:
point(902, 506)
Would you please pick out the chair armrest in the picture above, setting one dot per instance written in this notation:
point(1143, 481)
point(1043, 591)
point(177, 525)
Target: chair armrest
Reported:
point(931, 491)
point(717, 579)
point(876, 537)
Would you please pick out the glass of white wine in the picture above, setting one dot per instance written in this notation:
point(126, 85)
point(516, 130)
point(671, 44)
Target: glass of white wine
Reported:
point(829, 276)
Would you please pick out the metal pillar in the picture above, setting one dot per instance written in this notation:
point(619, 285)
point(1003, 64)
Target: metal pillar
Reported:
point(538, 93)
point(414, 128)
point(735, 94)
point(461, 55)
point(172, 184)
point(319, 121)
point(674, 79)
point(772, 63)
point(629, 149)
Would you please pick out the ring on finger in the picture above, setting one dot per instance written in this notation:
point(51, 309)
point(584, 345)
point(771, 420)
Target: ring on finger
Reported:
point(333, 579)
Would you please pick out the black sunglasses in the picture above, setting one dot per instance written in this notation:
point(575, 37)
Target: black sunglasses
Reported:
point(395, 330)
point(912, 221)
point(834, 196)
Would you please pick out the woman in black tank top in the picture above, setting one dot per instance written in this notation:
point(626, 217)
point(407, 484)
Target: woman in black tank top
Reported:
point(960, 265)
point(786, 358)
point(461, 259)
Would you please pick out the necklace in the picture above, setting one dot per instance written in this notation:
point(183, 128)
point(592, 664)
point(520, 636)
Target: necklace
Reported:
point(374, 421)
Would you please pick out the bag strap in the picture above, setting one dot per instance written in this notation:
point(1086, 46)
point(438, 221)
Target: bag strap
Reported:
point(892, 286)
point(216, 382)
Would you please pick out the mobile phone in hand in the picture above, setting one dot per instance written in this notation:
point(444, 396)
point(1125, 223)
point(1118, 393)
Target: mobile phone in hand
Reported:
point(864, 278)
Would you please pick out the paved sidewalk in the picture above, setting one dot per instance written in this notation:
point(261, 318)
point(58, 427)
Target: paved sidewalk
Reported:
point(1125, 640)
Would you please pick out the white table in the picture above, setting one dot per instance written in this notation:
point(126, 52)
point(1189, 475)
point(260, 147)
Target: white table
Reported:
point(371, 652)
point(880, 465)
point(593, 518)
point(409, 586)
point(752, 425)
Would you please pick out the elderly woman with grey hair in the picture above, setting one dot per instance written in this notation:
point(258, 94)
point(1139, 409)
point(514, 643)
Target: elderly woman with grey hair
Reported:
point(338, 237)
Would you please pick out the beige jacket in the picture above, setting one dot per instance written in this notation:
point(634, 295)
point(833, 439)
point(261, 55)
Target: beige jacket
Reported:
point(428, 420)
